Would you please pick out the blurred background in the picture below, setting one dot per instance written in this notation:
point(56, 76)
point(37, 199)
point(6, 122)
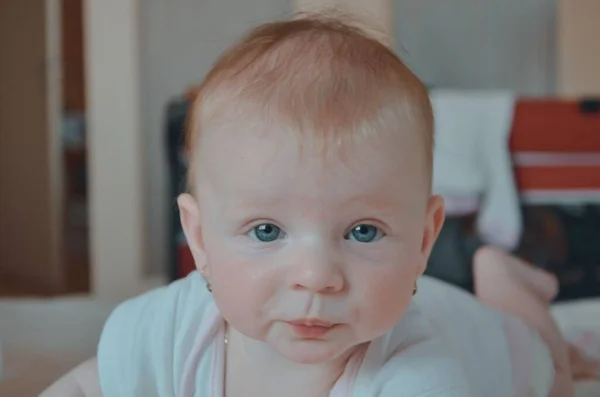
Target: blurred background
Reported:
point(93, 103)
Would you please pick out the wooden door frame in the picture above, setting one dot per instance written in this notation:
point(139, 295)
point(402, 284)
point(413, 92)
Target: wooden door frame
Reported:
point(55, 110)
point(577, 49)
point(116, 172)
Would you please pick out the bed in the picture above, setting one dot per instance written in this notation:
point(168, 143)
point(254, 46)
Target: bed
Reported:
point(42, 339)
point(574, 317)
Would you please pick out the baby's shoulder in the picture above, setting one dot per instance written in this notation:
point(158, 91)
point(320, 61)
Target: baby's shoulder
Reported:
point(188, 294)
point(181, 304)
point(146, 340)
point(412, 333)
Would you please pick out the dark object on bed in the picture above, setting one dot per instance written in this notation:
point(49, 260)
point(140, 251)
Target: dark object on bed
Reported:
point(590, 105)
point(452, 254)
point(562, 239)
point(565, 240)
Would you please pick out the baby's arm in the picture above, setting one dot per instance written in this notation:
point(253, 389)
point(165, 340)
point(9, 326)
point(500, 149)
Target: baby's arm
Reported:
point(82, 381)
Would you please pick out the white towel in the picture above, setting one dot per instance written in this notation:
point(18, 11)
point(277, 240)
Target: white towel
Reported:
point(472, 159)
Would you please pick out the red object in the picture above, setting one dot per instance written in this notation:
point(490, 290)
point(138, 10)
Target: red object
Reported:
point(556, 126)
point(185, 261)
point(558, 178)
point(559, 129)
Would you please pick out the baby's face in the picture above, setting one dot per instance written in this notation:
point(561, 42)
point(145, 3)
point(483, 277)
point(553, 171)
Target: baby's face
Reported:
point(311, 255)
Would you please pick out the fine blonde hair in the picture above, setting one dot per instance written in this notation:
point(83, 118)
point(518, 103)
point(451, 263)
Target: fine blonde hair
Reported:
point(314, 74)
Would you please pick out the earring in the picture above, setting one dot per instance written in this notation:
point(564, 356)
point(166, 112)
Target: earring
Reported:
point(415, 289)
point(208, 286)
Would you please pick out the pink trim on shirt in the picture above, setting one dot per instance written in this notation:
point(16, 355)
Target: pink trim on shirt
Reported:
point(208, 327)
point(345, 384)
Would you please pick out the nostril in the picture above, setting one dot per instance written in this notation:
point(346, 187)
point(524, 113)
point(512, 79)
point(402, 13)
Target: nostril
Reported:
point(298, 287)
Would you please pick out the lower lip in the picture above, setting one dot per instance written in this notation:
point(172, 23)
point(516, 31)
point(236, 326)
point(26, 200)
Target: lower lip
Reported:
point(310, 331)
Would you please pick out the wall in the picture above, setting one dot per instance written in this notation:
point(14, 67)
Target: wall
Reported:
point(376, 14)
point(180, 39)
point(480, 44)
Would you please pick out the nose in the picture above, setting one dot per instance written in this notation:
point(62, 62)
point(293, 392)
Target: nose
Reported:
point(318, 270)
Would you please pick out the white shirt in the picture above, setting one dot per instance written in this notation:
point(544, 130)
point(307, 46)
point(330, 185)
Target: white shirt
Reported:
point(169, 343)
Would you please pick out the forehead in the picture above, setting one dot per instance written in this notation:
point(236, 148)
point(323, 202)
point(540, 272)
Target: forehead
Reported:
point(238, 161)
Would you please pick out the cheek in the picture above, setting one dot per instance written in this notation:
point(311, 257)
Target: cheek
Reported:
point(385, 294)
point(387, 297)
point(241, 289)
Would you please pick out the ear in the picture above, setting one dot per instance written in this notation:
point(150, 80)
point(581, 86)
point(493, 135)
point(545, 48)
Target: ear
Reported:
point(434, 221)
point(190, 221)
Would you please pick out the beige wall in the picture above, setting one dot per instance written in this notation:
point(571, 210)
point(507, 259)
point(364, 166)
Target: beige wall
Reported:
point(375, 13)
point(483, 44)
point(579, 48)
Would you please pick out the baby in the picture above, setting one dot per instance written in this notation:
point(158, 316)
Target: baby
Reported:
point(311, 221)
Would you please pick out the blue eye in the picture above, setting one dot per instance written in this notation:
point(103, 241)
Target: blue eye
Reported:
point(266, 233)
point(365, 233)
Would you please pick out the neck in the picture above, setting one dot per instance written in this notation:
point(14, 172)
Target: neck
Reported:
point(257, 365)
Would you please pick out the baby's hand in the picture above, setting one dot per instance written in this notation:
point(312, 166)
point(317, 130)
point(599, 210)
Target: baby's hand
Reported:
point(82, 381)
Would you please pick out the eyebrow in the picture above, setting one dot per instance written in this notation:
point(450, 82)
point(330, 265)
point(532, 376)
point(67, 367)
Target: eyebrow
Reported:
point(377, 202)
point(257, 201)
point(238, 207)
point(372, 201)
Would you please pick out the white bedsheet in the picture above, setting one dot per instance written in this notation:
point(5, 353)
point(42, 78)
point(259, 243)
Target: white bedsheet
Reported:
point(42, 339)
point(580, 316)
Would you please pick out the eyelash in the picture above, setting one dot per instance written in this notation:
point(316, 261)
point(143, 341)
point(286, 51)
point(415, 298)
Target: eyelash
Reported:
point(380, 232)
point(253, 230)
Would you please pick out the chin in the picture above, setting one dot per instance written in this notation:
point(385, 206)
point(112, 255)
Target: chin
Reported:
point(311, 352)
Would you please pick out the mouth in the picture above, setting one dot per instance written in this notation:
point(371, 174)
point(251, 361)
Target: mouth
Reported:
point(311, 328)
point(312, 322)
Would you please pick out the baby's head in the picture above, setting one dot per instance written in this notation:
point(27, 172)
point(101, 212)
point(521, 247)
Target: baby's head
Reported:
point(310, 149)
